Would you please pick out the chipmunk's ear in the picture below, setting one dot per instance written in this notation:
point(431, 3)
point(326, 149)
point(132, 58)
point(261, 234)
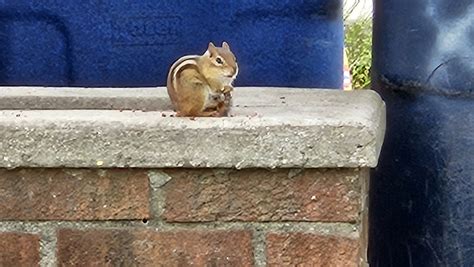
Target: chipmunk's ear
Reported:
point(226, 46)
point(212, 48)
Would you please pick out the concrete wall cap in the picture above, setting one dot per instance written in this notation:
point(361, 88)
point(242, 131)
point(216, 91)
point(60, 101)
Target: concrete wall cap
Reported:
point(132, 127)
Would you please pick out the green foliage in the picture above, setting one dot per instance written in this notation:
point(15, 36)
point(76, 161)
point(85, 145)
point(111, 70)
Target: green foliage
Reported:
point(358, 40)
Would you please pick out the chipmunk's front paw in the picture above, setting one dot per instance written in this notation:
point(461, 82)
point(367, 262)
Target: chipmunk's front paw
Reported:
point(227, 89)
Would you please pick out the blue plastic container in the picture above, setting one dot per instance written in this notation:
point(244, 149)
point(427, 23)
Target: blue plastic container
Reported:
point(133, 43)
point(422, 193)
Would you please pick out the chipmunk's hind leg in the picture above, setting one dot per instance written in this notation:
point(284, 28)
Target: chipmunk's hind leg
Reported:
point(192, 95)
point(210, 113)
point(206, 113)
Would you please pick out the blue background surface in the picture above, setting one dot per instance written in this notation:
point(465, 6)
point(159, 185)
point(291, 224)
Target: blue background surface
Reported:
point(133, 43)
point(422, 192)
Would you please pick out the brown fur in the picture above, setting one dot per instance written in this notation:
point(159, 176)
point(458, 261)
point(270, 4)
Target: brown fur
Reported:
point(195, 84)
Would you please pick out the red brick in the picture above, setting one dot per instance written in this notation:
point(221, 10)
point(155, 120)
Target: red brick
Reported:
point(303, 249)
point(19, 249)
point(152, 248)
point(263, 195)
point(73, 194)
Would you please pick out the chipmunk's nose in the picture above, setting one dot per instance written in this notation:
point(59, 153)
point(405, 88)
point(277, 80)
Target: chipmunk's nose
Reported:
point(234, 72)
point(230, 75)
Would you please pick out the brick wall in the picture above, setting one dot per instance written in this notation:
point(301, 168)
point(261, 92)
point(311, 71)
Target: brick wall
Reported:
point(182, 217)
point(88, 178)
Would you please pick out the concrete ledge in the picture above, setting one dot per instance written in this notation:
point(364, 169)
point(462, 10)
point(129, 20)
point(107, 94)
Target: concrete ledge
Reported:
point(51, 98)
point(270, 127)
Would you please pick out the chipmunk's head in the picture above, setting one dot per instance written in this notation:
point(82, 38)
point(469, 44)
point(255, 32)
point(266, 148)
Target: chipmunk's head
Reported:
point(221, 63)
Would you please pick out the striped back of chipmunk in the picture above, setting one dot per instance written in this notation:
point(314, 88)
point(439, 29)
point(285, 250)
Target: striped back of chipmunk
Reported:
point(178, 66)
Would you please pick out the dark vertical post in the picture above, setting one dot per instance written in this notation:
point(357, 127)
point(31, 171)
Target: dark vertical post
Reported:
point(422, 193)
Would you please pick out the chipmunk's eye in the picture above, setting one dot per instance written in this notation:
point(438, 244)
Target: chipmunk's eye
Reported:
point(219, 61)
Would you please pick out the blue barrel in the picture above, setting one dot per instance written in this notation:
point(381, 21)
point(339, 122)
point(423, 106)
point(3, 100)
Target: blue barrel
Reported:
point(422, 193)
point(133, 43)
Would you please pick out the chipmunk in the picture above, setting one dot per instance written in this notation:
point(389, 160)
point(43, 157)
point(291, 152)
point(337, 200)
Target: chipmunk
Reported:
point(201, 86)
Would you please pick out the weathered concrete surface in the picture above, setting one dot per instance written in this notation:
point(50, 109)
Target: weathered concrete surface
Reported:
point(31, 98)
point(270, 127)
